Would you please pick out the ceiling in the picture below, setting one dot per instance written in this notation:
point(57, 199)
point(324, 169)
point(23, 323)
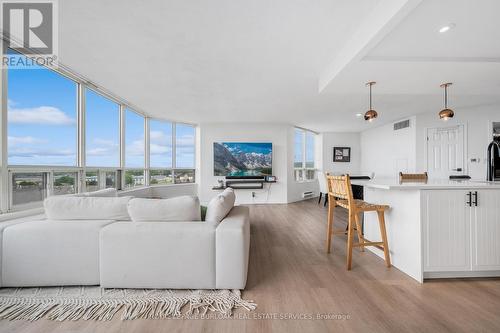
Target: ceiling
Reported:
point(263, 61)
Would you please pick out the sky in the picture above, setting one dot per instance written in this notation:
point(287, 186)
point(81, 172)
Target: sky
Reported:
point(42, 127)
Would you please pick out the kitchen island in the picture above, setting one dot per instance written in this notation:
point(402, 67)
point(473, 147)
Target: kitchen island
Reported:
point(438, 229)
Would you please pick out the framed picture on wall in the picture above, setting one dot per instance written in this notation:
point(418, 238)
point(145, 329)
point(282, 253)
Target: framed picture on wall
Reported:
point(342, 154)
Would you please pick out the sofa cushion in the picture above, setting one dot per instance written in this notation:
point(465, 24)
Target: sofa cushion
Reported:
point(86, 208)
point(183, 208)
point(220, 206)
point(51, 253)
point(107, 192)
point(158, 255)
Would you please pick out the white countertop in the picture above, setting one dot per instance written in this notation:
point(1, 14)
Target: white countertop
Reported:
point(431, 184)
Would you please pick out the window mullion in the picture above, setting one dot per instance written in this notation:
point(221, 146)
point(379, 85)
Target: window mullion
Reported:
point(147, 158)
point(4, 174)
point(80, 111)
point(122, 144)
point(174, 148)
point(304, 146)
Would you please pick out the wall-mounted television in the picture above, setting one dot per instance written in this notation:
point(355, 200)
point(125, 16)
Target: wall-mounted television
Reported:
point(243, 159)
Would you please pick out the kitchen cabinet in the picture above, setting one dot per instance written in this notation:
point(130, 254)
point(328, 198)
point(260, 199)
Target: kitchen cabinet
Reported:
point(485, 231)
point(461, 230)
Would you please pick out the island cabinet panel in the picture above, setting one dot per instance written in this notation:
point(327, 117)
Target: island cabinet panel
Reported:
point(485, 230)
point(446, 224)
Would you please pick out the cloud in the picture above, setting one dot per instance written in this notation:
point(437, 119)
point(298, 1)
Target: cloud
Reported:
point(39, 152)
point(103, 147)
point(159, 136)
point(156, 149)
point(100, 151)
point(160, 143)
point(104, 142)
point(23, 140)
point(136, 148)
point(46, 115)
point(185, 141)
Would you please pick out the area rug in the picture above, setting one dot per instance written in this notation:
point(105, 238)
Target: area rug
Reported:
point(95, 303)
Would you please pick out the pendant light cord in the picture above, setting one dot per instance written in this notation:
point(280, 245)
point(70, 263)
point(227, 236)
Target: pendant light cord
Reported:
point(370, 96)
point(446, 96)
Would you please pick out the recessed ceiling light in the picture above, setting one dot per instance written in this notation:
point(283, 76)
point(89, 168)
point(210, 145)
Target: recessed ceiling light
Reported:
point(359, 115)
point(447, 27)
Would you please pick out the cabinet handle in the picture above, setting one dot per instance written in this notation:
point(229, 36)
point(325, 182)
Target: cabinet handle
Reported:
point(475, 198)
point(469, 200)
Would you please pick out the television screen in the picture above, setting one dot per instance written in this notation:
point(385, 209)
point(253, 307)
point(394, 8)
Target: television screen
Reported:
point(243, 159)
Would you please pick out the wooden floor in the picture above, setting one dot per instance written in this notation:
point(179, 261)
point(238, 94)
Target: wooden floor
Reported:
point(291, 275)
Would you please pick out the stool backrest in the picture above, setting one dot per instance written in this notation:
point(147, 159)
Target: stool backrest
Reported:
point(340, 187)
point(415, 177)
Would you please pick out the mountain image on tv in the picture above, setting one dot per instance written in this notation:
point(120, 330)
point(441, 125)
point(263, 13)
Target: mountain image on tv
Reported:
point(242, 159)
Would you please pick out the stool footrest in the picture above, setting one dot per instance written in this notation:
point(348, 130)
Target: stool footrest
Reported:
point(368, 244)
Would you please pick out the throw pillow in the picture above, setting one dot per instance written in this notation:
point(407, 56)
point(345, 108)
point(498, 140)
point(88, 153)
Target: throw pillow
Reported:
point(220, 206)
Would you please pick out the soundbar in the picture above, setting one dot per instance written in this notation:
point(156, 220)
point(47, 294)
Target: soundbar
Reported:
point(246, 177)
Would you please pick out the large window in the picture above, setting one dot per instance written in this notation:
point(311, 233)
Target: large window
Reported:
point(64, 182)
point(134, 178)
point(303, 162)
point(160, 144)
point(42, 108)
point(46, 154)
point(167, 167)
point(92, 180)
point(134, 140)
point(28, 188)
point(102, 124)
point(134, 149)
point(184, 146)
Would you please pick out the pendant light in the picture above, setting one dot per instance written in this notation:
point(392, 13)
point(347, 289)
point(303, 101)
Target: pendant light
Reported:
point(371, 114)
point(446, 113)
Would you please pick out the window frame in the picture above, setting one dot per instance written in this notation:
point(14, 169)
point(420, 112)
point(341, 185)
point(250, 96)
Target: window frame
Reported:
point(82, 126)
point(4, 95)
point(174, 167)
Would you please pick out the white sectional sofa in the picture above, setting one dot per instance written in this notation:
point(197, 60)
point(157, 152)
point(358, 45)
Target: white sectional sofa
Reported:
point(93, 241)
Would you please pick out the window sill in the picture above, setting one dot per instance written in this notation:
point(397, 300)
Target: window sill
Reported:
point(181, 184)
point(12, 215)
point(305, 181)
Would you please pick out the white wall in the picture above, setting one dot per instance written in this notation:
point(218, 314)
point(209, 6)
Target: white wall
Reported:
point(387, 152)
point(340, 139)
point(477, 121)
point(245, 132)
point(282, 136)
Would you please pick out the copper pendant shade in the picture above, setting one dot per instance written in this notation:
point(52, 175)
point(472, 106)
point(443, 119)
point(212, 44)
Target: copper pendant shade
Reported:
point(446, 113)
point(371, 114)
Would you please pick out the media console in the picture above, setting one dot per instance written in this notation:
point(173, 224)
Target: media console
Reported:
point(245, 183)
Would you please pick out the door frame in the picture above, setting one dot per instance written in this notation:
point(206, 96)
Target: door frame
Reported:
point(466, 148)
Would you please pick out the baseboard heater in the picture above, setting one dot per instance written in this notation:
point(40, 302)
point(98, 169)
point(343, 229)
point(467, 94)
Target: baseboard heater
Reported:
point(307, 194)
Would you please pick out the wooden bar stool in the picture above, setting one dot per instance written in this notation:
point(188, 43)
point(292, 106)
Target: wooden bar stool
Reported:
point(340, 194)
point(413, 177)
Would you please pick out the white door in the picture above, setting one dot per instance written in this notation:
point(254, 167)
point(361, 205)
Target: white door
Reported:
point(485, 230)
point(445, 152)
point(446, 230)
